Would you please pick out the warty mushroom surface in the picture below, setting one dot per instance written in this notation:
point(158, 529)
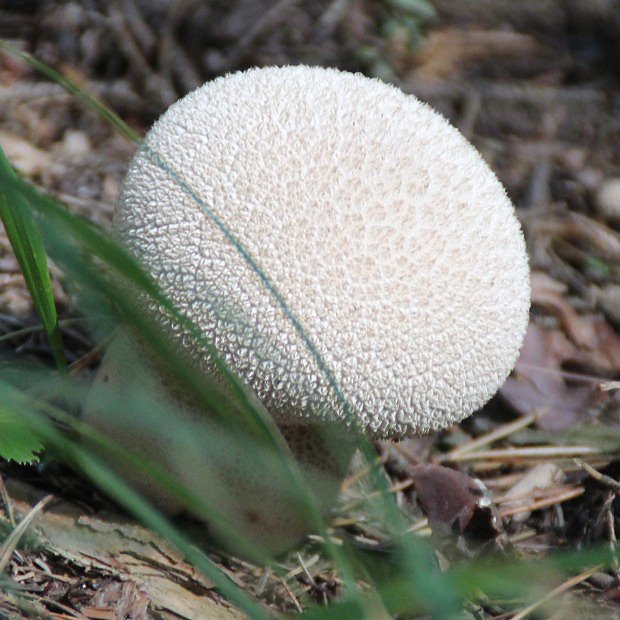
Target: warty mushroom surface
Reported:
point(385, 232)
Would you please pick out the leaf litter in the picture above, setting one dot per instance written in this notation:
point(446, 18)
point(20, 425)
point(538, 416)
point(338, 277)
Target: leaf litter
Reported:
point(505, 481)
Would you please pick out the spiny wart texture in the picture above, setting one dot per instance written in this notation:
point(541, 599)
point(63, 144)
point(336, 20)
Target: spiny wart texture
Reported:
point(385, 232)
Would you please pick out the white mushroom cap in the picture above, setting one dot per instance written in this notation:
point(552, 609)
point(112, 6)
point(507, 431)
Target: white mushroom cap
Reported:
point(386, 233)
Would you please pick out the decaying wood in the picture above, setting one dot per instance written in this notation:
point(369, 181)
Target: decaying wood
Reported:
point(120, 548)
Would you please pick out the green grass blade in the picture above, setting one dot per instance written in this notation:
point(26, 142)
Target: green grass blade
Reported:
point(29, 250)
point(79, 93)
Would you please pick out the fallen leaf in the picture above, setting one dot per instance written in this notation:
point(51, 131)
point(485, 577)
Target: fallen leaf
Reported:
point(538, 386)
point(538, 478)
point(551, 295)
point(455, 503)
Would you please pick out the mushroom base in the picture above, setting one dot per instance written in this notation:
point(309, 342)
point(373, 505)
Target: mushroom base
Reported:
point(237, 489)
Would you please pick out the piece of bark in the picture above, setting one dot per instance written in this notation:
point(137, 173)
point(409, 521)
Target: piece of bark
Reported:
point(120, 547)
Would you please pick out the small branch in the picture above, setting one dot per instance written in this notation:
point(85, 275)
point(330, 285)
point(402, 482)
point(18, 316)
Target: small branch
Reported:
point(598, 476)
point(567, 585)
point(507, 454)
point(498, 433)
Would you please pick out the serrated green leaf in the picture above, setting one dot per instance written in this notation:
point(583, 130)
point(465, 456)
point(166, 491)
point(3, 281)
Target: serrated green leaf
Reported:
point(17, 441)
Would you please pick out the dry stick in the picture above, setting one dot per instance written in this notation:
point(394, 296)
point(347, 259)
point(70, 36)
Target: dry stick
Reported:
point(567, 585)
point(502, 482)
point(565, 374)
point(137, 60)
point(611, 531)
point(30, 91)
point(356, 476)
point(521, 536)
point(510, 92)
point(140, 30)
point(614, 485)
point(262, 581)
point(498, 433)
point(293, 598)
point(538, 492)
point(598, 476)
point(528, 453)
point(37, 598)
point(419, 525)
point(303, 567)
point(543, 503)
point(173, 60)
point(333, 15)
point(609, 386)
point(472, 104)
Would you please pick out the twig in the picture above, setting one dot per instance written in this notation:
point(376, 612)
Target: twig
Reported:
point(609, 386)
point(521, 536)
point(537, 492)
point(567, 585)
point(31, 91)
point(305, 570)
point(598, 476)
point(543, 503)
point(511, 92)
point(38, 328)
point(173, 60)
point(420, 524)
point(137, 24)
point(262, 581)
point(334, 14)
point(528, 453)
point(498, 433)
point(565, 374)
point(76, 367)
point(293, 598)
point(155, 83)
point(469, 118)
point(299, 569)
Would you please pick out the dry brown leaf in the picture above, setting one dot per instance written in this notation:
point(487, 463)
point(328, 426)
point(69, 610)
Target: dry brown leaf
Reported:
point(598, 342)
point(550, 295)
point(454, 502)
point(538, 478)
point(538, 386)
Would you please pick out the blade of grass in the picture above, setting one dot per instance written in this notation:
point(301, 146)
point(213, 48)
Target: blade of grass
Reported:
point(79, 93)
point(29, 250)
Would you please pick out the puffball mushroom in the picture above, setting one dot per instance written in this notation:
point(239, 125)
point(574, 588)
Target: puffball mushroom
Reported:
point(387, 235)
